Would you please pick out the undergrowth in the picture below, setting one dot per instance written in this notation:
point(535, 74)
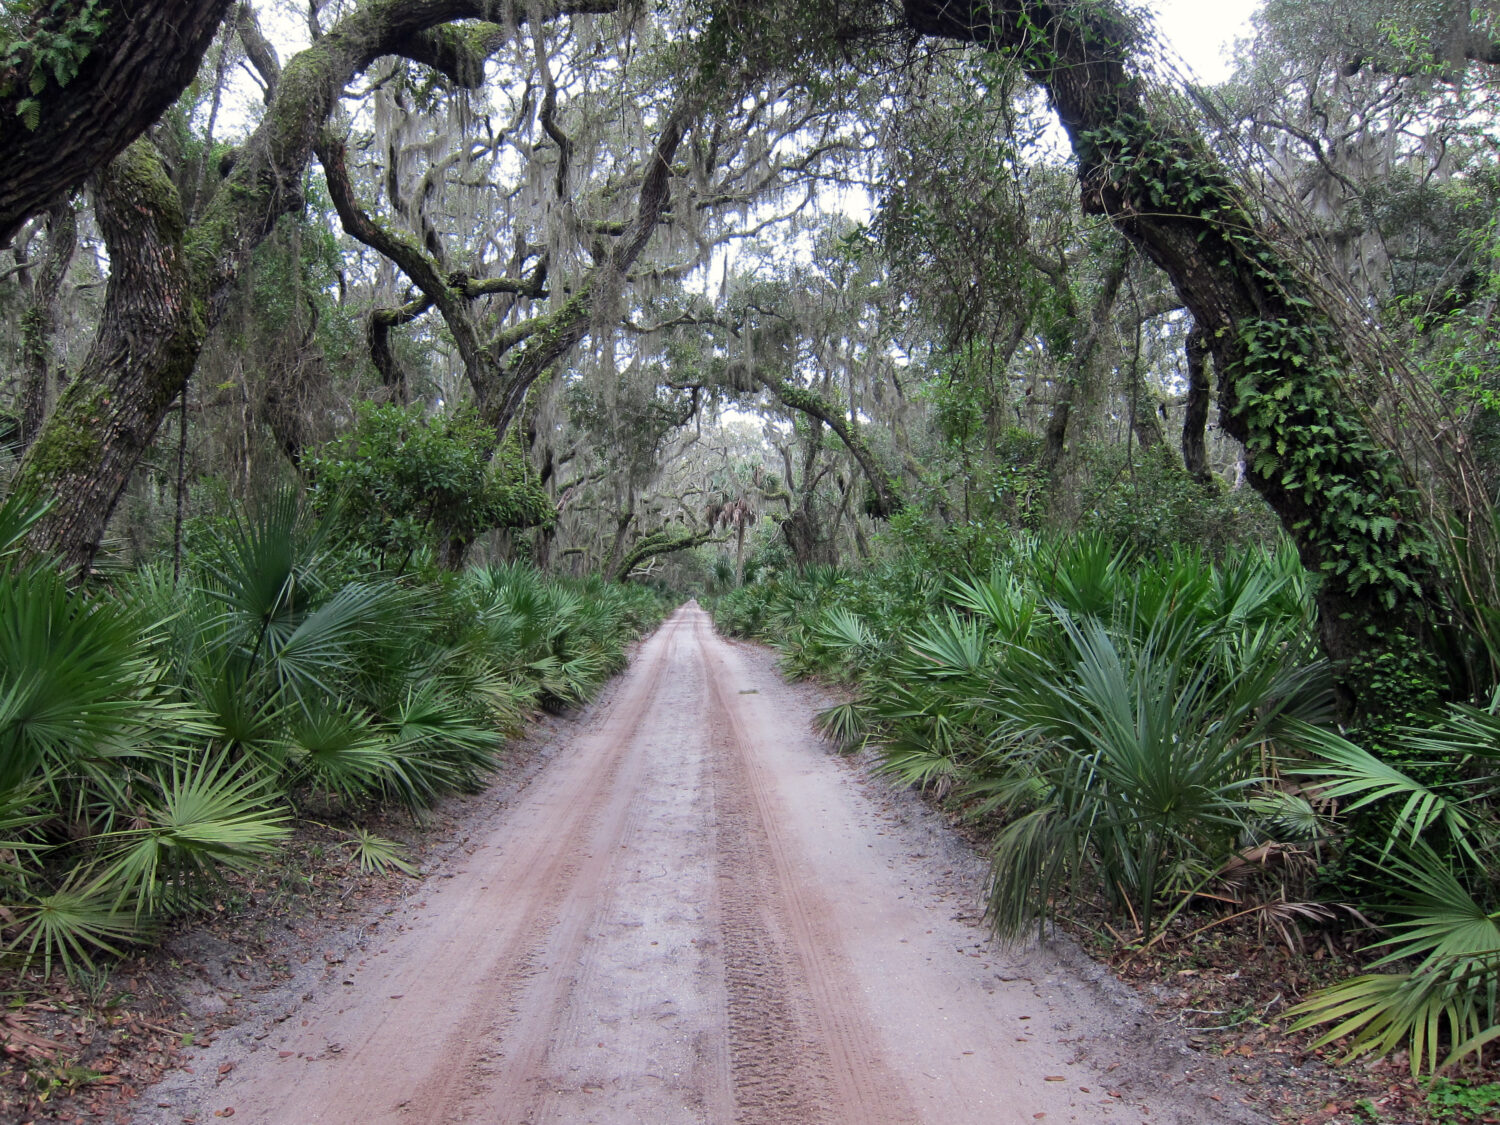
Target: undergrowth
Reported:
point(1151, 741)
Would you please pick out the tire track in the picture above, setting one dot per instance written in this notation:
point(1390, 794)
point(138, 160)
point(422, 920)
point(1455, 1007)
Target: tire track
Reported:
point(462, 972)
point(799, 1049)
point(568, 862)
point(691, 917)
point(778, 1069)
point(561, 1014)
point(620, 1018)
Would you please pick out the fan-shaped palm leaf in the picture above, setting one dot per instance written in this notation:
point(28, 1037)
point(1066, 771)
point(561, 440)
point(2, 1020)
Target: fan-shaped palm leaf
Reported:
point(1454, 989)
point(68, 925)
point(377, 855)
point(72, 676)
point(338, 752)
point(951, 646)
point(1345, 770)
point(845, 724)
point(202, 818)
point(18, 515)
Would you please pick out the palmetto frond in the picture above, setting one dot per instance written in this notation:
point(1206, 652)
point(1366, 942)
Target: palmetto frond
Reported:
point(73, 679)
point(18, 514)
point(377, 855)
point(1453, 993)
point(71, 924)
point(845, 724)
point(201, 818)
point(1351, 772)
point(338, 751)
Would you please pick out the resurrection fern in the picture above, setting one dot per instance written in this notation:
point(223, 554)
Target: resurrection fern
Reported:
point(42, 42)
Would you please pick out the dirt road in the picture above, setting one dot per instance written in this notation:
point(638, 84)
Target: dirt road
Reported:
point(695, 913)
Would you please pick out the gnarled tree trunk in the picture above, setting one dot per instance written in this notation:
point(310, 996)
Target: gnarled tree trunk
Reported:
point(1339, 494)
point(1195, 411)
point(170, 284)
point(132, 68)
point(39, 321)
point(141, 357)
point(795, 397)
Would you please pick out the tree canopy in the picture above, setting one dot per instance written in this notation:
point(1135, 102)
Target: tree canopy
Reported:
point(731, 297)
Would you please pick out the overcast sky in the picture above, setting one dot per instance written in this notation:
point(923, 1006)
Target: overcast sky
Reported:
point(1200, 31)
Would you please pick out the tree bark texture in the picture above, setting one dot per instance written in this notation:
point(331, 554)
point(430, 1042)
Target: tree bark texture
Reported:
point(1145, 416)
point(1195, 411)
point(140, 359)
point(39, 321)
point(808, 539)
point(169, 285)
point(1339, 495)
point(147, 53)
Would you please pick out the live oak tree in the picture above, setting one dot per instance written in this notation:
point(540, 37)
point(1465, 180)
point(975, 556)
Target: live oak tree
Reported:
point(80, 80)
point(522, 297)
point(1369, 128)
point(171, 280)
point(984, 235)
point(618, 449)
point(524, 222)
point(176, 276)
point(1435, 39)
point(1372, 128)
point(44, 250)
point(1337, 491)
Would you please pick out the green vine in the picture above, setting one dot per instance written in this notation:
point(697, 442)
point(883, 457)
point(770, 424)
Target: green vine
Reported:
point(1350, 487)
point(1349, 502)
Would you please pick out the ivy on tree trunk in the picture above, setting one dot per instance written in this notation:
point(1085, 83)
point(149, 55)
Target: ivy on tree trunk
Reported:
point(1339, 494)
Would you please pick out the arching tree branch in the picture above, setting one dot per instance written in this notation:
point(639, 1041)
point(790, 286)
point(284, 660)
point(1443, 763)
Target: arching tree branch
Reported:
point(660, 543)
point(131, 69)
point(887, 499)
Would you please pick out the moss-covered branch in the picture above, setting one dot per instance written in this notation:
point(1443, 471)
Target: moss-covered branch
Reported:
point(660, 543)
point(168, 285)
point(416, 263)
point(141, 357)
point(887, 498)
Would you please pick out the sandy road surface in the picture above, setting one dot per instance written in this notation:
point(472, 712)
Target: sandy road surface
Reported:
point(695, 913)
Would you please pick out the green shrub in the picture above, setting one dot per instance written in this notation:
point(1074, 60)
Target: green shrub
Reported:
point(158, 734)
point(1119, 713)
point(404, 480)
point(1149, 503)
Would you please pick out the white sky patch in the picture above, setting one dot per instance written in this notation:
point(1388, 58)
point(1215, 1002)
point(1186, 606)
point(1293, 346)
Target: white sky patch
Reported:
point(1203, 34)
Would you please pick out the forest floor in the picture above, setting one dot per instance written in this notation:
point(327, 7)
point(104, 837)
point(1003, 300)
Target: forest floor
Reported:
point(678, 906)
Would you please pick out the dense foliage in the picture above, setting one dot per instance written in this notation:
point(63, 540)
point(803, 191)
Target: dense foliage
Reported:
point(1146, 735)
point(803, 306)
point(401, 482)
point(158, 733)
